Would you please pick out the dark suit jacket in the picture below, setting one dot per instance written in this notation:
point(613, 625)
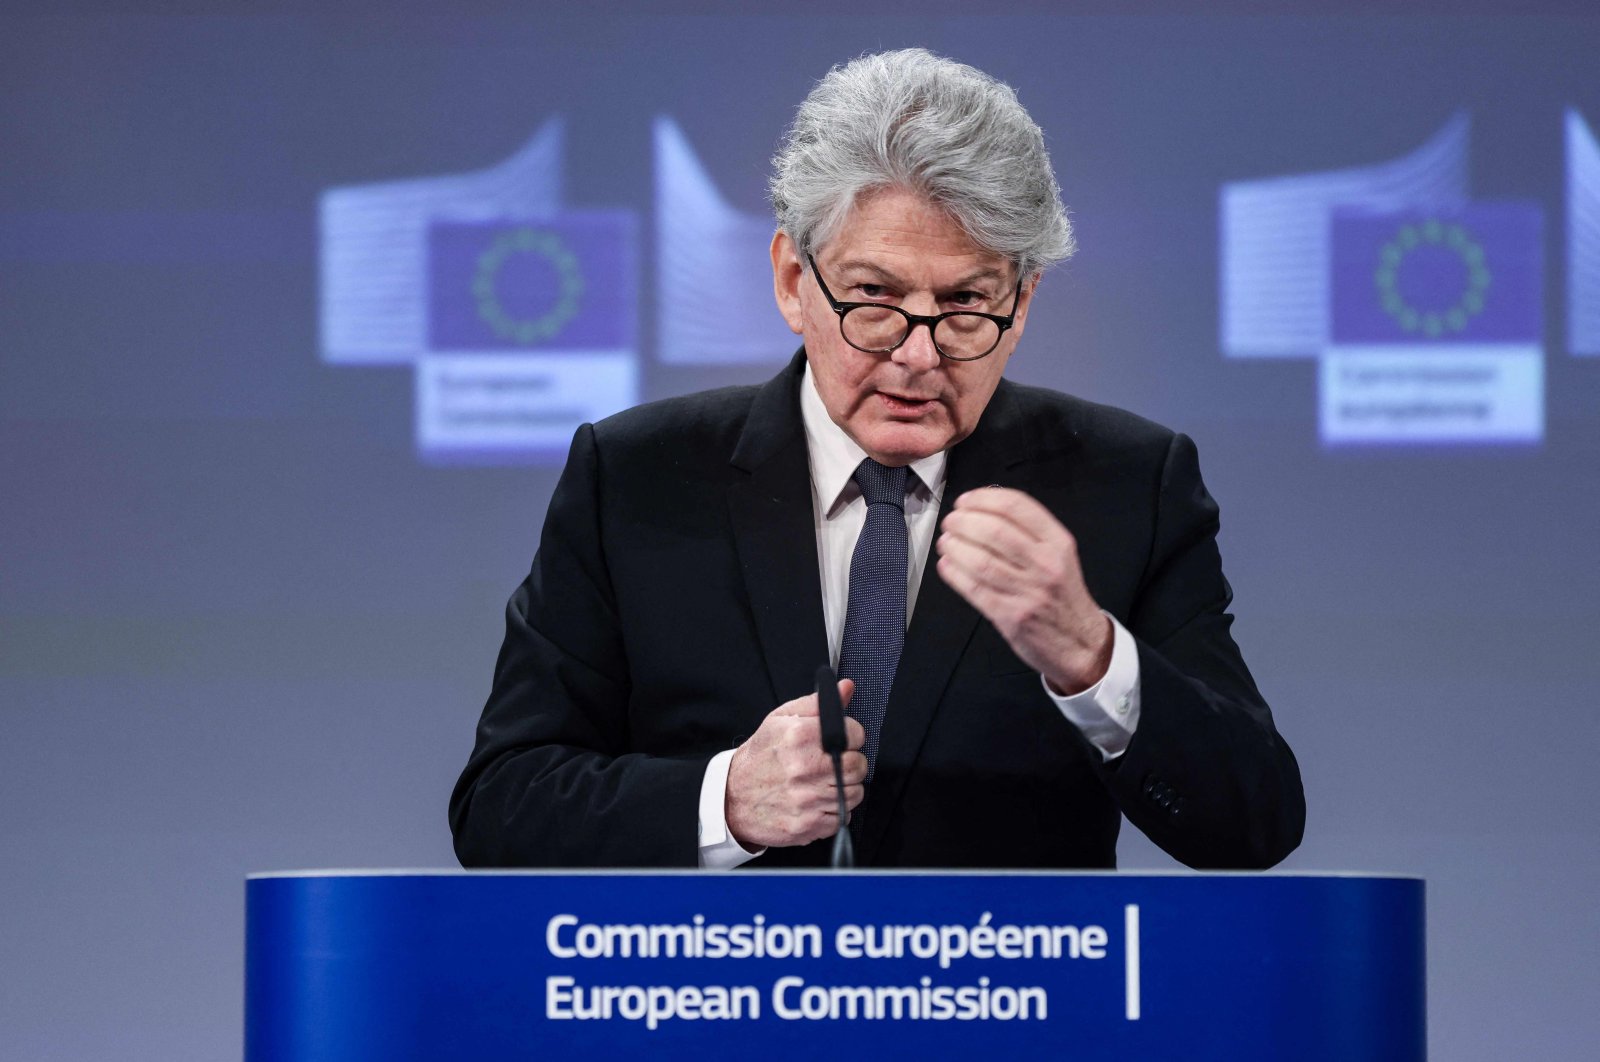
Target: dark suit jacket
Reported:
point(674, 601)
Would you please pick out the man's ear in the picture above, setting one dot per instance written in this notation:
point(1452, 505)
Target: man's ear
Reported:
point(787, 272)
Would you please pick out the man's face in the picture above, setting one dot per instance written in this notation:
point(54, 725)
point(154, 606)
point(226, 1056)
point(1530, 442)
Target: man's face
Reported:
point(896, 247)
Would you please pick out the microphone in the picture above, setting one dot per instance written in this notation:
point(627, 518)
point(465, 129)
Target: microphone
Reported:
point(830, 711)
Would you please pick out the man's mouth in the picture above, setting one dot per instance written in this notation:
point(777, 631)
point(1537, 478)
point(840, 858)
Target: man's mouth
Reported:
point(906, 404)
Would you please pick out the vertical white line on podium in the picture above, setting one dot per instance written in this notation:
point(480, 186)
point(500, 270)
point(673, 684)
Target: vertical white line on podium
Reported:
point(1130, 932)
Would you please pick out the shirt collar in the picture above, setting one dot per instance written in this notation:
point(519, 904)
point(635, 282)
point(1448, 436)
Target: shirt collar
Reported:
point(835, 456)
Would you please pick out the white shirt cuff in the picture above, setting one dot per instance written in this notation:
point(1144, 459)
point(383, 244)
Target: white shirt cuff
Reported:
point(1108, 712)
point(718, 849)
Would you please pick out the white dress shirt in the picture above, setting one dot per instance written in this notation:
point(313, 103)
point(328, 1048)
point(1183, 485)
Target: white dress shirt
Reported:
point(1107, 713)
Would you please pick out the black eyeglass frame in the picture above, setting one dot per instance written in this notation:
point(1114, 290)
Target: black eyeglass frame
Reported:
point(913, 319)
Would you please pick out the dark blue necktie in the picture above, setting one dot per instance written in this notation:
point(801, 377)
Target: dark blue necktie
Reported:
point(875, 619)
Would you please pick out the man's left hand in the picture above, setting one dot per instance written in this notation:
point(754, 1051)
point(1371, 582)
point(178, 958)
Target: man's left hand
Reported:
point(1016, 564)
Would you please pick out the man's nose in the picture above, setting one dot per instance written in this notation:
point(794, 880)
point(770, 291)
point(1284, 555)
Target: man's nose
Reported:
point(918, 351)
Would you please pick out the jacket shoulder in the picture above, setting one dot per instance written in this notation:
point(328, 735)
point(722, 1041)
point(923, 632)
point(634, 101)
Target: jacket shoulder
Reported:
point(700, 425)
point(1058, 421)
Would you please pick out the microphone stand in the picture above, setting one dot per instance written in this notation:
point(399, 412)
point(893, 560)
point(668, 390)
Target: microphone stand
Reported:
point(830, 712)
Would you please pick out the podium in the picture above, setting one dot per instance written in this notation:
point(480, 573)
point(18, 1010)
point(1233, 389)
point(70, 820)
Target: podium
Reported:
point(490, 965)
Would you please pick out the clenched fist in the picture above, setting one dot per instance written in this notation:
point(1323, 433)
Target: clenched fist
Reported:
point(781, 789)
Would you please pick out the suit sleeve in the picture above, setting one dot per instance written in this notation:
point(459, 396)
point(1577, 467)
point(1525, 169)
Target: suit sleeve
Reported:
point(1206, 776)
point(551, 781)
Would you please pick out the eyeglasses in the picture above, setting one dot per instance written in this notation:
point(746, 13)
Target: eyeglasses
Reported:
point(878, 328)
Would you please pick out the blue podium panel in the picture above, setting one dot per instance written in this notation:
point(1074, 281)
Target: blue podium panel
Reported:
point(346, 966)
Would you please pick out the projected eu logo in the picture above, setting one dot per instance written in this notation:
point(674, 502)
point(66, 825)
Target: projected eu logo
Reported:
point(1436, 325)
point(562, 282)
point(530, 332)
point(518, 316)
point(1424, 309)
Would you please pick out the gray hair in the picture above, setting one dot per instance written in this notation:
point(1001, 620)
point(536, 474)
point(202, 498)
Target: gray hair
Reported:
point(914, 120)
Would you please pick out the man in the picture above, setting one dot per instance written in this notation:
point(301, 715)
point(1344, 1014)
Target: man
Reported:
point(1021, 590)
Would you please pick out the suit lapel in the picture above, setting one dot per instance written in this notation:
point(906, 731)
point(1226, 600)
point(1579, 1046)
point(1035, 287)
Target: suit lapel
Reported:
point(776, 539)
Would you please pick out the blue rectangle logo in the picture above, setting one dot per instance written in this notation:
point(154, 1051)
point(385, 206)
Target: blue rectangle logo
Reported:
point(1472, 275)
point(565, 283)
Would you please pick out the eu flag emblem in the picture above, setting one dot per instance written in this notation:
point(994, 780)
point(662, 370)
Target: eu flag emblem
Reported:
point(1471, 275)
point(563, 283)
point(1437, 327)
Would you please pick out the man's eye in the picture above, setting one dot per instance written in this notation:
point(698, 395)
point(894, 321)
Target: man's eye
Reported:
point(872, 291)
point(967, 299)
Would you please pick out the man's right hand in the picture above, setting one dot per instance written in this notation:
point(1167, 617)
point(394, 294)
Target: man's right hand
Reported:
point(781, 789)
